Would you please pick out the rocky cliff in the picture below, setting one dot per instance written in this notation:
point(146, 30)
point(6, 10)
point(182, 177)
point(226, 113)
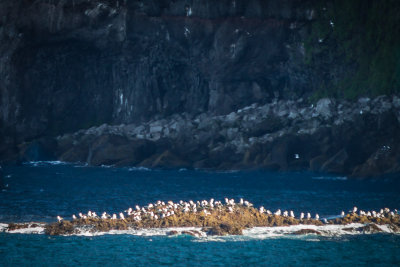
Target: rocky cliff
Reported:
point(67, 65)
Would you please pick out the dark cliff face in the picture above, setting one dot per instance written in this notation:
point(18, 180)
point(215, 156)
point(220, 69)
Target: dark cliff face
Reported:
point(67, 65)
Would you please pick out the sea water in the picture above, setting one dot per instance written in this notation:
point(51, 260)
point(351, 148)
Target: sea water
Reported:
point(40, 191)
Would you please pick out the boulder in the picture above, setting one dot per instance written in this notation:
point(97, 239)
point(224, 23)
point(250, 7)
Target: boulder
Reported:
point(114, 149)
point(336, 164)
point(165, 159)
point(317, 162)
point(325, 108)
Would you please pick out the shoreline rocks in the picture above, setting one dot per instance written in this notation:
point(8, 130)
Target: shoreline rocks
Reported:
point(358, 139)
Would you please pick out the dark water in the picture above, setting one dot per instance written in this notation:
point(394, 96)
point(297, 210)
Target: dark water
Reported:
point(40, 192)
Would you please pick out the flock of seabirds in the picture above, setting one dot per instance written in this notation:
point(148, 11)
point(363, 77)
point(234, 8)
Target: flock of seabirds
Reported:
point(161, 210)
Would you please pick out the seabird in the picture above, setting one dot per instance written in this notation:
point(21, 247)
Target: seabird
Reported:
point(342, 214)
point(354, 209)
point(387, 210)
point(230, 209)
point(121, 215)
point(114, 217)
point(285, 213)
point(130, 211)
point(278, 212)
point(302, 216)
point(206, 212)
point(262, 209)
point(241, 201)
point(59, 219)
point(73, 217)
point(317, 216)
point(308, 215)
point(291, 214)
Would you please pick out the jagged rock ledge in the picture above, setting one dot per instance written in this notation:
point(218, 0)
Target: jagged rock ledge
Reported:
point(360, 139)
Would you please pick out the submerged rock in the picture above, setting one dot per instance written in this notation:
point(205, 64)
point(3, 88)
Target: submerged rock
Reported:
point(370, 228)
point(306, 232)
point(225, 229)
point(192, 233)
point(173, 232)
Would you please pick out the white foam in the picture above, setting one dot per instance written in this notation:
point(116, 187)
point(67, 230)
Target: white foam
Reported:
point(138, 169)
point(39, 229)
point(140, 232)
point(3, 227)
point(255, 233)
point(333, 178)
point(32, 230)
point(44, 163)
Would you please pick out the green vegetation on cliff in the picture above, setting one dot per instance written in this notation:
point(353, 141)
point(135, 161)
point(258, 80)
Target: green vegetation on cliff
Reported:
point(363, 36)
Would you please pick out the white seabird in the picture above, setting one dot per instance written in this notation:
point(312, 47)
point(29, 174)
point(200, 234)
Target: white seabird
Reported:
point(278, 212)
point(73, 217)
point(262, 210)
point(342, 214)
point(121, 216)
point(59, 219)
point(317, 216)
point(308, 215)
point(130, 211)
point(114, 217)
point(302, 216)
point(285, 213)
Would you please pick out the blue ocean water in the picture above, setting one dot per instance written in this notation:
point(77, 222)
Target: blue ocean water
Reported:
point(41, 191)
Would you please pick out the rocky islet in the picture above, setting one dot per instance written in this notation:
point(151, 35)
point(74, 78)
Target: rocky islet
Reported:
point(213, 218)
